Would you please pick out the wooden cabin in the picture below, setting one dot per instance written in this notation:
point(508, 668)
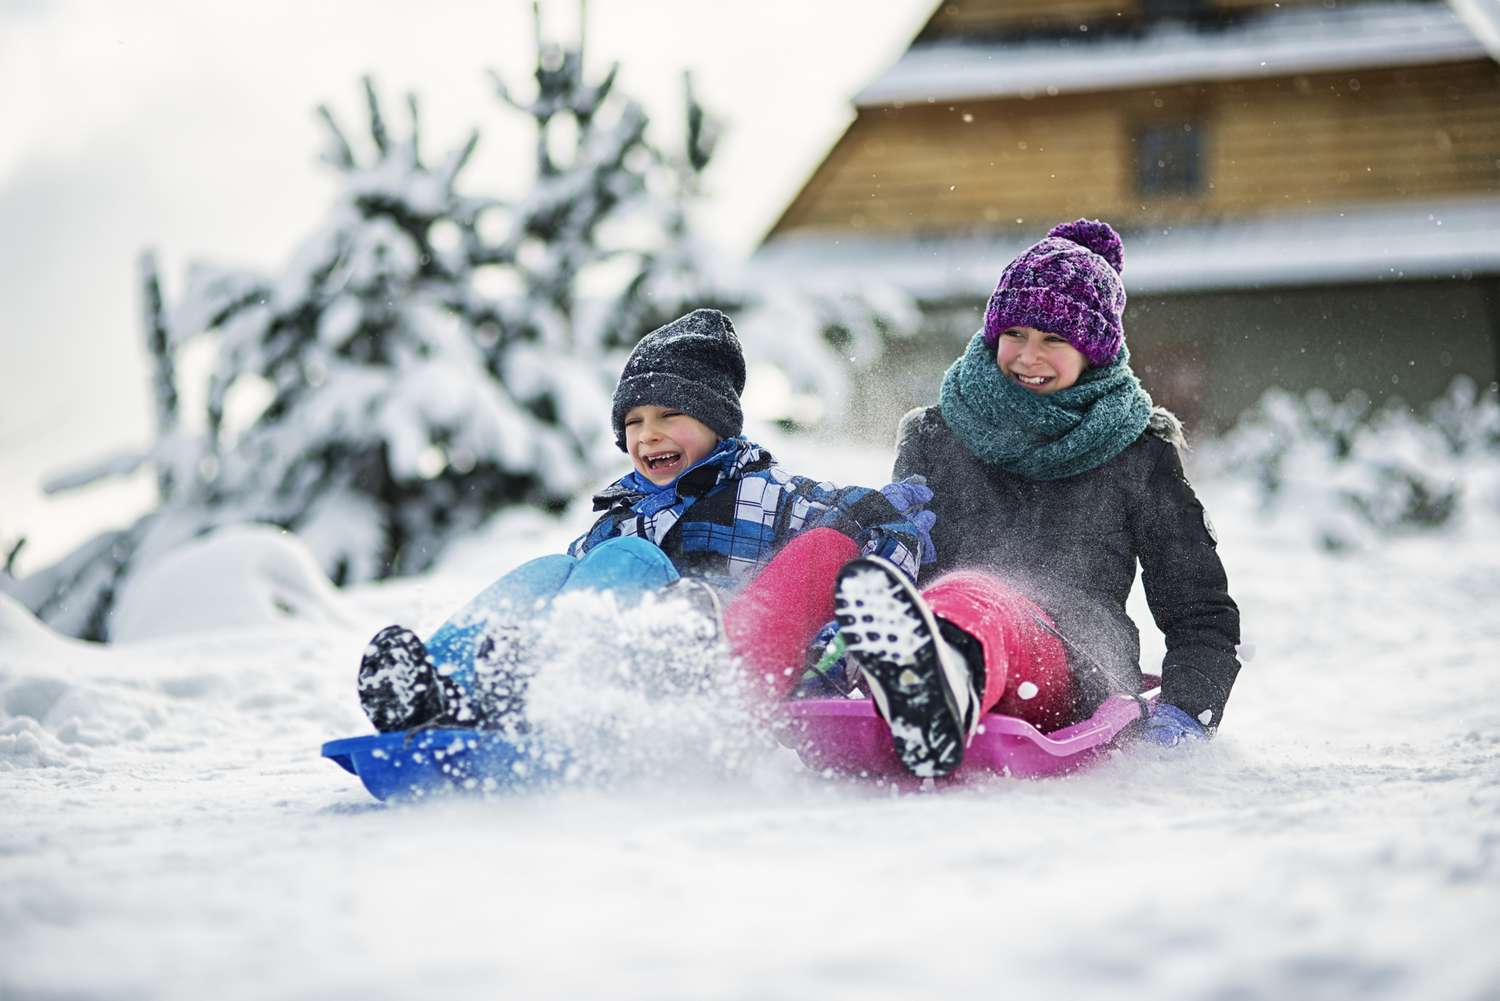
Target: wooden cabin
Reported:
point(1309, 190)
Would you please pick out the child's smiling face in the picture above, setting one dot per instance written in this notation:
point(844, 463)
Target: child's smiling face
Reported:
point(663, 442)
point(1036, 360)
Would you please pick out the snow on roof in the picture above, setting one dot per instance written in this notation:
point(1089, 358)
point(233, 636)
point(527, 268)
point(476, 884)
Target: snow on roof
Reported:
point(1437, 239)
point(1483, 18)
point(1305, 40)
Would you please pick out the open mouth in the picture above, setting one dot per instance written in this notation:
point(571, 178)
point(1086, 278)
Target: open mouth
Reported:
point(1032, 381)
point(658, 461)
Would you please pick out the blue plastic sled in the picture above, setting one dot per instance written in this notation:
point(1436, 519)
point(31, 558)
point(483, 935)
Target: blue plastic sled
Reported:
point(416, 764)
point(841, 735)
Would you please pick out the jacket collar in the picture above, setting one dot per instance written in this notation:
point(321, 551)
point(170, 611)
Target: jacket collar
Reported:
point(731, 458)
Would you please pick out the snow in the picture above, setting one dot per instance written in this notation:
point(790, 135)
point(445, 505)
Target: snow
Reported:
point(239, 576)
point(1280, 43)
point(1483, 18)
point(169, 831)
point(1440, 238)
point(118, 464)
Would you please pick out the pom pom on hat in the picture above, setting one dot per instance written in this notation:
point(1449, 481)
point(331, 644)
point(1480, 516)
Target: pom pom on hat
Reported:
point(1067, 284)
point(1100, 237)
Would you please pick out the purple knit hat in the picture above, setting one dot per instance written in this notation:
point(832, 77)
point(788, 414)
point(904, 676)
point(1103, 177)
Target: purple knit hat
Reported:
point(1069, 285)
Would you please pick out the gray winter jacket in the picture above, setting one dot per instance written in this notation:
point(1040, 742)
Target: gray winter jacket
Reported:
point(1072, 544)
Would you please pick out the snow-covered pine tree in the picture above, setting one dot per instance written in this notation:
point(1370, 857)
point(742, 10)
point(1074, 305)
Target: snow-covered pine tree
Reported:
point(375, 396)
point(366, 421)
point(606, 249)
point(600, 245)
point(75, 594)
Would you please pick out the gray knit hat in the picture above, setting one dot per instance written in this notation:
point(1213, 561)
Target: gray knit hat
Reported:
point(693, 364)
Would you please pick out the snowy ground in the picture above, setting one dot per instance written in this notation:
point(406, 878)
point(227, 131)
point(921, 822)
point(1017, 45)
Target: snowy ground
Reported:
point(167, 829)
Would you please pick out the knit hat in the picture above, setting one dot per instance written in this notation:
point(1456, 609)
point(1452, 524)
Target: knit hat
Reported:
point(1068, 284)
point(693, 364)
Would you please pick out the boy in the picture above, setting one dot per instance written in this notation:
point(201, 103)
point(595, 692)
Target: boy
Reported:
point(703, 509)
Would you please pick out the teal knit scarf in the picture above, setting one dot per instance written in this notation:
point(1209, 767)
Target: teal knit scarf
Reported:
point(1043, 437)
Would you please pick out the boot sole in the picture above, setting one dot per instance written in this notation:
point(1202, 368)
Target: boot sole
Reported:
point(893, 639)
point(398, 687)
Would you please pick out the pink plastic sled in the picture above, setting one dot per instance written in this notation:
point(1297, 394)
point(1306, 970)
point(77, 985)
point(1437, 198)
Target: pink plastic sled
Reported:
point(846, 736)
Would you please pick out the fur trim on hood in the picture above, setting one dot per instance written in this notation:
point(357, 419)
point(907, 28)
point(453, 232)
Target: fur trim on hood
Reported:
point(1165, 425)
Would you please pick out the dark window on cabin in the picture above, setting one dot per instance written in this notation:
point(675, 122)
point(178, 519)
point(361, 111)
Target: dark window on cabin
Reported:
point(1169, 159)
point(1181, 10)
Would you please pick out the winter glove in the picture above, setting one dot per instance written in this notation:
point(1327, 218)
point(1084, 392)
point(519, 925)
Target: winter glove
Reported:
point(1168, 726)
point(910, 498)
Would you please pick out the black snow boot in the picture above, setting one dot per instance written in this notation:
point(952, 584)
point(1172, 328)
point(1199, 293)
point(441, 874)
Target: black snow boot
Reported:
point(398, 686)
point(922, 686)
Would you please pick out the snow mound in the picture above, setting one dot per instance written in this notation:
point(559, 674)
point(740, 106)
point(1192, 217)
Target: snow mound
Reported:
point(49, 712)
point(237, 577)
point(21, 633)
point(50, 723)
point(74, 712)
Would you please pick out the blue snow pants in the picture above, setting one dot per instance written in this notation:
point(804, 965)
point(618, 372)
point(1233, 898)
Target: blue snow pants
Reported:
point(628, 566)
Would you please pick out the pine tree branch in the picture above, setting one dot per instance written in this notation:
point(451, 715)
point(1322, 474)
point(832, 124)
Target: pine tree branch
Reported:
point(12, 555)
point(457, 160)
point(702, 129)
point(377, 120)
point(590, 99)
point(502, 91)
point(164, 373)
point(416, 128)
point(117, 464)
point(536, 29)
point(583, 26)
point(104, 558)
point(338, 152)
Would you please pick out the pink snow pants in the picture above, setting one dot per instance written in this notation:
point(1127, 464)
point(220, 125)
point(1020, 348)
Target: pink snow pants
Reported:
point(1025, 666)
point(771, 622)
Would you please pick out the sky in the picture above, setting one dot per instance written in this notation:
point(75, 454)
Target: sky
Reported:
point(187, 127)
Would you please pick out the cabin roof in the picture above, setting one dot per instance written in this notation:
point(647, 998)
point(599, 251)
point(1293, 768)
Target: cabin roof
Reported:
point(1452, 238)
point(1483, 18)
point(1274, 43)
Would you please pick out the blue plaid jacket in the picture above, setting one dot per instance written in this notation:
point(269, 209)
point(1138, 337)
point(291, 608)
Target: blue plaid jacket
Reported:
point(730, 513)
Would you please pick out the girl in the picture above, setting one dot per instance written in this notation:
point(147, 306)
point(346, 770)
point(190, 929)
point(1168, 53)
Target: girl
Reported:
point(1053, 476)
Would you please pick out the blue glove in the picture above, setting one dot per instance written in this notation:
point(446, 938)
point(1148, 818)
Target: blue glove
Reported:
point(1168, 726)
point(904, 495)
point(910, 498)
